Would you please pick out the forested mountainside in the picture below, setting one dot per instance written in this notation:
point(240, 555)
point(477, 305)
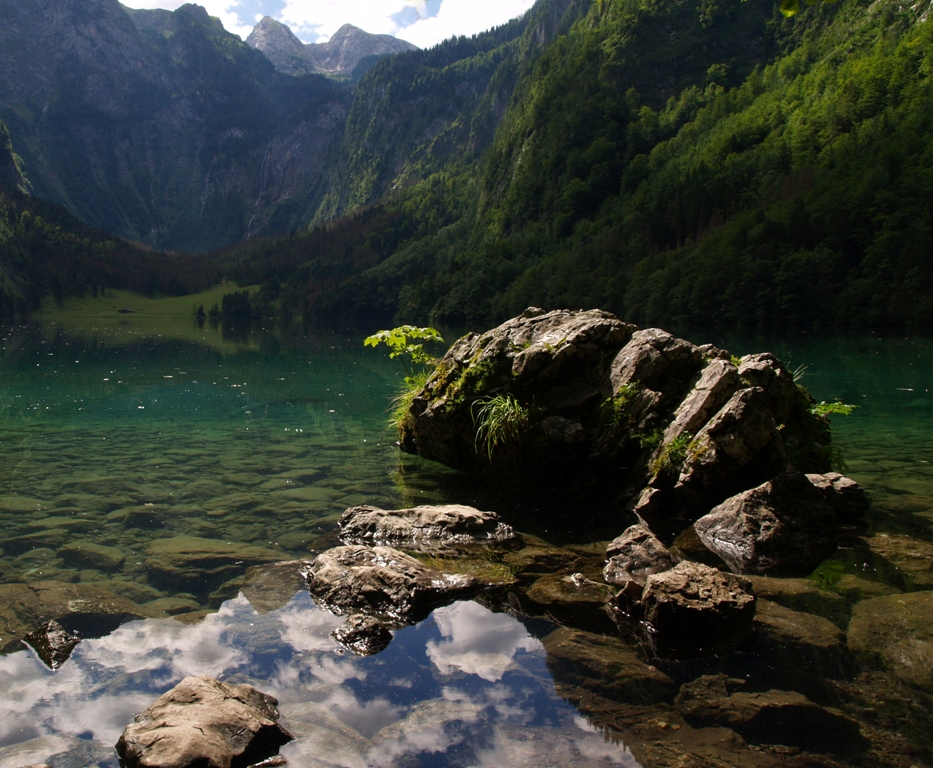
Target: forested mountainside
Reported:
point(161, 127)
point(680, 162)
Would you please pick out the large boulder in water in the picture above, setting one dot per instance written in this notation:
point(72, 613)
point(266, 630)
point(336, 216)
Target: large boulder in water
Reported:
point(583, 399)
point(204, 723)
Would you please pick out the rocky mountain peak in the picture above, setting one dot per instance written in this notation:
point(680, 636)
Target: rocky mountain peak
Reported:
point(271, 36)
point(338, 56)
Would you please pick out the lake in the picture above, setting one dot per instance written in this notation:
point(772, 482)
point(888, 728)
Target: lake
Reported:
point(126, 442)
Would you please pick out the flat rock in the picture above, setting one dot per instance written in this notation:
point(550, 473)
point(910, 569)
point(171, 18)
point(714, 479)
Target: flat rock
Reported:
point(383, 582)
point(783, 526)
point(440, 524)
point(913, 557)
point(269, 587)
point(769, 717)
point(896, 633)
point(568, 598)
point(635, 555)
point(204, 723)
point(803, 595)
point(689, 611)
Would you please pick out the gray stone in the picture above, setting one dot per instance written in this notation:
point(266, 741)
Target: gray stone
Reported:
point(204, 723)
point(717, 382)
point(383, 582)
point(690, 611)
point(843, 494)
point(740, 446)
point(441, 524)
point(655, 360)
point(784, 525)
point(635, 555)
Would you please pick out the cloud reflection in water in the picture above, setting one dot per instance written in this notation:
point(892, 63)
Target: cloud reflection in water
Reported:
point(466, 687)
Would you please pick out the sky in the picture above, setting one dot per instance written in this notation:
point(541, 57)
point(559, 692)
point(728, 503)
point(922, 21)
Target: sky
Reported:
point(422, 22)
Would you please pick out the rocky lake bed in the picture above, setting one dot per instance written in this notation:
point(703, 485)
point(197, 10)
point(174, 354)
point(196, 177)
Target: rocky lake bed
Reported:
point(171, 528)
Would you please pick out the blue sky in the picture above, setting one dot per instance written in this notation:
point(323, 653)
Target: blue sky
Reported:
point(422, 22)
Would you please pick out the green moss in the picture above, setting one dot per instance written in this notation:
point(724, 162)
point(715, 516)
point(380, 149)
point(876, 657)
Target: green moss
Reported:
point(617, 412)
point(673, 454)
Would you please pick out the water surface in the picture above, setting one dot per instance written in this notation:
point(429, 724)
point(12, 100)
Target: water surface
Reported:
point(112, 438)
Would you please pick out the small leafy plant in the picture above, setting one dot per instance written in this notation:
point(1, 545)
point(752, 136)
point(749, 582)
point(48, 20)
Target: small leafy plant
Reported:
point(404, 343)
point(836, 408)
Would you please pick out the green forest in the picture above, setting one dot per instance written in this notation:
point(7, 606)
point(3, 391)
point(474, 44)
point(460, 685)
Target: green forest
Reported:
point(700, 163)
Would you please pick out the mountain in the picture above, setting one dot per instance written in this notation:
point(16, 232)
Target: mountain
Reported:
point(160, 126)
point(339, 56)
point(679, 163)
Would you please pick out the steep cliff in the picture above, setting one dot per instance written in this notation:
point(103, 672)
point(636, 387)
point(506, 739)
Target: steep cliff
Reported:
point(161, 126)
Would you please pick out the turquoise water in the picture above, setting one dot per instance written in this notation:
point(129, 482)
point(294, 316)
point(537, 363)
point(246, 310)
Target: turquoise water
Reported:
point(114, 443)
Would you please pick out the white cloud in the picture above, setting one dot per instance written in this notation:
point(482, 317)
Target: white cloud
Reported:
point(317, 20)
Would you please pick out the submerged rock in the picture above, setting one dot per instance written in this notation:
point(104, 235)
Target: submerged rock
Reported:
point(204, 723)
point(768, 717)
point(635, 555)
point(199, 565)
point(383, 582)
point(784, 525)
point(84, 609)
point(432, 525)
point(689, 611)
point(604, 666)
point(896, 634)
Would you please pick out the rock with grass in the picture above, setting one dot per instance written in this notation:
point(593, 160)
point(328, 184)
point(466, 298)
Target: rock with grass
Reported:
point(582, 399)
